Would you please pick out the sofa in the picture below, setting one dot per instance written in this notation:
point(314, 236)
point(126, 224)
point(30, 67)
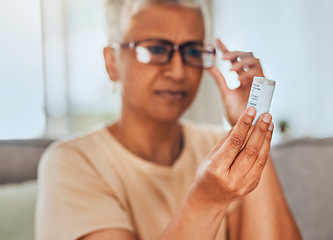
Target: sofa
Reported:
point(18, 189)
point(305, 168)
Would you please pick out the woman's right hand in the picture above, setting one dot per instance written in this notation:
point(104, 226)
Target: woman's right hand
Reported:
point(232, 169)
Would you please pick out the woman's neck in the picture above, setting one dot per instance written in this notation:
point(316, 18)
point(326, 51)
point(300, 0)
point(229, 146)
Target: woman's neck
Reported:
point(158, 142)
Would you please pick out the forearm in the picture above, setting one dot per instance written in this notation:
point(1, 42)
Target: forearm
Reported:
point(230, 171)
point(195, 220)
point(264, 213)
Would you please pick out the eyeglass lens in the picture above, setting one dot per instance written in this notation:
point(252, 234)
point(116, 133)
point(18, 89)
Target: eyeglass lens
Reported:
point(160, 52)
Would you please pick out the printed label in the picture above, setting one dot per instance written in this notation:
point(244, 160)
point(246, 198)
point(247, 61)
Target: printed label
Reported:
point(260, 98)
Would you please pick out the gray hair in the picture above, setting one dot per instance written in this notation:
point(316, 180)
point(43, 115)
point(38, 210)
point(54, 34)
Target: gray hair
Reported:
point(120, 12)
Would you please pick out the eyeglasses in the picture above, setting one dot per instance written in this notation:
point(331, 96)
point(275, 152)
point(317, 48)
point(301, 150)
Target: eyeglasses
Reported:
point(159, 52)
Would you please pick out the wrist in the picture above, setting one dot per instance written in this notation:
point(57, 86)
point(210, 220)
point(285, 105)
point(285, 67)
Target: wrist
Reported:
point(195, 219)
point(203, 203)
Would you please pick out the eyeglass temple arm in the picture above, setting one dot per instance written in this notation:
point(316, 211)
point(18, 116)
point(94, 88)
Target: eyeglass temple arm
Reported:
point(117, 45)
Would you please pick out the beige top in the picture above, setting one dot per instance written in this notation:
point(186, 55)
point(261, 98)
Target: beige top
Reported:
point(92, 182)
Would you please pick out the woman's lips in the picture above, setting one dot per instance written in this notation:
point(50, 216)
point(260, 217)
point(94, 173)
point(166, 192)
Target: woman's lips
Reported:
point(172, 95)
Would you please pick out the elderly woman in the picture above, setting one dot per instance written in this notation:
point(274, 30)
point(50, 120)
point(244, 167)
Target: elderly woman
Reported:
point(148, 175)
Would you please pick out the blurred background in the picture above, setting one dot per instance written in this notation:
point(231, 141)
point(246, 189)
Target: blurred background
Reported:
point(53, 80)
point(53, 83)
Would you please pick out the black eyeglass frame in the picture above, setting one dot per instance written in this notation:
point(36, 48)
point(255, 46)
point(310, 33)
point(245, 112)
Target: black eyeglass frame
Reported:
point(175, 47)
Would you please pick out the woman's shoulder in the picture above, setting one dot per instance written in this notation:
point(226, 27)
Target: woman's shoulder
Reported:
point(72, 149)
point(85, 136)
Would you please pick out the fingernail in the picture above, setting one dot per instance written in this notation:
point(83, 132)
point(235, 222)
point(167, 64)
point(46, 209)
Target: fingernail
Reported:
point(251, 111)
point(271, 127)
point(267, 118)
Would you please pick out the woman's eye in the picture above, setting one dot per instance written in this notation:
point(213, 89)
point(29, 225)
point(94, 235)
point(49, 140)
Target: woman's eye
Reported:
point(157, 49)
point(194, 52)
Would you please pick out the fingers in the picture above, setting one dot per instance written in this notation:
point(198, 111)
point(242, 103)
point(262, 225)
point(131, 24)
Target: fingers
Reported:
point(221, 46)
point(248, 66)
point(234, 57)
point(233, 144)
point(237, 56)
point(246, 69)
point(246, 77)
point(252, 148)
point(244, 63)
point(261, 161)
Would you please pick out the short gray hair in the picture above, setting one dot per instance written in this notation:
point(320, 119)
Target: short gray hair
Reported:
point(120, 12)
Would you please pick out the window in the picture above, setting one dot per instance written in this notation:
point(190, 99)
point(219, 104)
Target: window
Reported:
point(21, 82)
point(78, 91)
point(53, 77)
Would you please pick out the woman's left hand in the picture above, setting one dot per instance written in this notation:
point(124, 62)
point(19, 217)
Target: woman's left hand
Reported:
point(247, 67)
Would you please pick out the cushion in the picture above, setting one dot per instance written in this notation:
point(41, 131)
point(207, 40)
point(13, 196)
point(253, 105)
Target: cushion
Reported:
point(19, 159)
point(17, 210)
point(305, 168)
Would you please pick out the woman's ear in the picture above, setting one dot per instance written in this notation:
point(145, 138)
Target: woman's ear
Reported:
point(110, 63)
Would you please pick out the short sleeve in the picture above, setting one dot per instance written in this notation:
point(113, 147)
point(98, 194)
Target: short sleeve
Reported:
point(73, 200)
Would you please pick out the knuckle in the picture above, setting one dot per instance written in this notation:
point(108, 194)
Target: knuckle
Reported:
point(233, 187)
point(211, 172)
point(239, 68)
point(242, 75)
point(236, 64)
point(261, 162)
point(236, 141)
point(247, 54)
point(269, 137)
point(251, 152)
point(245, 76)
point(242, 192)
point(246, 123)
point(254, 185)
point(263, 127)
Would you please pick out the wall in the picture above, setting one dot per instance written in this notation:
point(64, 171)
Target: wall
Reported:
point(294, 40)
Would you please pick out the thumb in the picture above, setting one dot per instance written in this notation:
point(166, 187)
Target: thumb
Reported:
point(220, 80)
point(221, 46)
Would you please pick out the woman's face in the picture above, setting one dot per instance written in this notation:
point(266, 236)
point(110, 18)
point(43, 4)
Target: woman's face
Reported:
point(160, 92)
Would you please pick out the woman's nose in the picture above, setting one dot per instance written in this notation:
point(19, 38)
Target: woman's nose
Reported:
point(176, 67)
